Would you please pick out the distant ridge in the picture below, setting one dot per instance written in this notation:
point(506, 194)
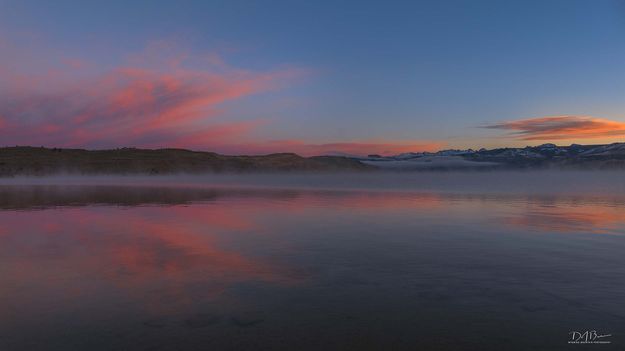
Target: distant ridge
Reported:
point(575, 156)
point(27, 160)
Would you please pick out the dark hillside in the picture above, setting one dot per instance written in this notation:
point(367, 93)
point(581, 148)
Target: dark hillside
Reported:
point(44, 161)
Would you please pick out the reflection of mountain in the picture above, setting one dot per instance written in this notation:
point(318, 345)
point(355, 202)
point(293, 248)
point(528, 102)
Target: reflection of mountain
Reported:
point(44, 196)
point(563, 213)
point(47, 196)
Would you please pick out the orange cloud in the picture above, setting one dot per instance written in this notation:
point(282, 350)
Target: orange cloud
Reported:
point(562, 127)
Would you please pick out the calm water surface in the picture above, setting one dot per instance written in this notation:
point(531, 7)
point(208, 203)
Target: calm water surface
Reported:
point(201, 268)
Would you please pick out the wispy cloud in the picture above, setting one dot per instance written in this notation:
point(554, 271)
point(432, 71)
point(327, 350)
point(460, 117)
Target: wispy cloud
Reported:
point(562, 127)
point(137, 103)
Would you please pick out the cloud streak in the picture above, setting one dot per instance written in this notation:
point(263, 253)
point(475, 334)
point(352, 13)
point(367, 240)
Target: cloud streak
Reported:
point(129, 106)
point(562, 127)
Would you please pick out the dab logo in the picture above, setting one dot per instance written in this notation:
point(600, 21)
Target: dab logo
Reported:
point(588, 337)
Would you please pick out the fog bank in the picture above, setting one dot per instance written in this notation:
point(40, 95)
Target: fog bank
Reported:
point(540, 182)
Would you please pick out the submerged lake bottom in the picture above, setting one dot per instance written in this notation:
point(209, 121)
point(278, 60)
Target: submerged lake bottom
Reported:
point(201, 267)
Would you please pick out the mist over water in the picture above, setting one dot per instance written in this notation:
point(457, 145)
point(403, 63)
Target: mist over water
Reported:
point(447, 261)
point(535, 182)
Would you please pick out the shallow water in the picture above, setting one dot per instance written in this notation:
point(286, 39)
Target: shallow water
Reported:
point(195, 267)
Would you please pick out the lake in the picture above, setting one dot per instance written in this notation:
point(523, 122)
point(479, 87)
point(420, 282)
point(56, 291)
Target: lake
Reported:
point(193, 265)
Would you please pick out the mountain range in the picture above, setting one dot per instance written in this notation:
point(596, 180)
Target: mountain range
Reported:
point(574, 156)
point(25, 160)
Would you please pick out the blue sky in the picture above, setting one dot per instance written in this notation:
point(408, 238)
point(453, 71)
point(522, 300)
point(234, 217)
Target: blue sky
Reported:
point(371, 71)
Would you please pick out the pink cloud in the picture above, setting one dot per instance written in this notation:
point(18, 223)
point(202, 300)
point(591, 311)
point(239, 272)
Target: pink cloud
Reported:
point(143, 104)
point(75, 63)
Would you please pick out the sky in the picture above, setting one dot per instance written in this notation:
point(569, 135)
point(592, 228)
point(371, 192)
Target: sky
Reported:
point(311, 77)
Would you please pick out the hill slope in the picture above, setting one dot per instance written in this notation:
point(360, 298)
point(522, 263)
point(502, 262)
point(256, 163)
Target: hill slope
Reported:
point(44, 161)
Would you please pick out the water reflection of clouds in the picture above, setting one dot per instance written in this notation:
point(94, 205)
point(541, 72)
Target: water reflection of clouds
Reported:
point(553, 213)
point(167, 248)
point(570, 216)
point(184, 244)
point(153, 263)
point(147, 252)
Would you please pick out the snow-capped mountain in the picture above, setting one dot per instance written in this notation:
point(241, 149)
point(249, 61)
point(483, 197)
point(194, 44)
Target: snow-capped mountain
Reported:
point(541, 156)
point(606, 150)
